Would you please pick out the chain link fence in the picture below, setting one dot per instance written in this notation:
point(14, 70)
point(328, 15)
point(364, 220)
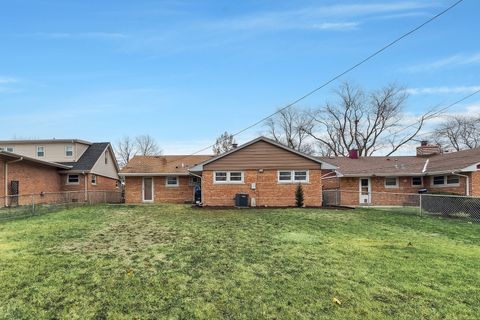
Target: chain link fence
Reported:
point(32, 204)
point(451, 206)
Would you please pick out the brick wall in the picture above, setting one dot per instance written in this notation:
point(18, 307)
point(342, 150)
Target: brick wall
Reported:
point(2, 181)
point(388, 196)
point(268, 191)
point(162, 194)
point(475, 184)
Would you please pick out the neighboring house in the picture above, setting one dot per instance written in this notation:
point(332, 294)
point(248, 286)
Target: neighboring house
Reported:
point(161, 179)
point(44, 166)
point(360, 178)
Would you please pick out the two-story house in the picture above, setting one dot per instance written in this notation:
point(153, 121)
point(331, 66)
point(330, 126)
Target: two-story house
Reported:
point(56, 165)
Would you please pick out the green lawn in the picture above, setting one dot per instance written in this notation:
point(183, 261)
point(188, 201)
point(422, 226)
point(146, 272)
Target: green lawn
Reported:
point(181, 263)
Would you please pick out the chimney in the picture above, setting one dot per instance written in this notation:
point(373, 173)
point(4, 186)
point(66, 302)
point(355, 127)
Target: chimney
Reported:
point(353, 154)
point(426, 150)
point(234, 145)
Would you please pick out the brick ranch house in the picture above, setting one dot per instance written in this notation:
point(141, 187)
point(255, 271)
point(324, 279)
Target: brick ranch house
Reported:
point(53, 166)
point(263, 169)
point(370, 180)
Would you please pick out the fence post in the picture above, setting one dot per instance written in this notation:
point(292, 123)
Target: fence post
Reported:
point(33, 203)
point(421, 195)
point(104, 197)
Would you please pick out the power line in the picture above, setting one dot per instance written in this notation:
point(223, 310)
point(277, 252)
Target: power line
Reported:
point(437, 113)
point(348, 70)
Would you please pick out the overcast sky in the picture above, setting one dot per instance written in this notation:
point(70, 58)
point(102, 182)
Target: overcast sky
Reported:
point(185, 71)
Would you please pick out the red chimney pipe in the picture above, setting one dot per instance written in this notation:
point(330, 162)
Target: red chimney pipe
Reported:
point(353, 154)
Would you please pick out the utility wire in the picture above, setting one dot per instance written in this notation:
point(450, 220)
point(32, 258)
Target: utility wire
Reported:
point(348, 70)
point(437, 113)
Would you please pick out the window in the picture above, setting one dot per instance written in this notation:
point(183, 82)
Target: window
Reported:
point(450, 180)
point(391, 182)
point(453, 179)
point(73, 179)
point(228, 177)
point(288, 176)
point(300, 175)
point(171, 181)
point(40, 151)
point(236, 176)
point(285, 176)
point(193, 181)
point(220, 176)
point(69, 151)
point(417, 181)
point(94, 179)
point(8, 149)
point(106, 157)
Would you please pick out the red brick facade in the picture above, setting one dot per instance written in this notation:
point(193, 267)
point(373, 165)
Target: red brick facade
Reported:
point(381, 195)
point(268, 191)
point(183, 193)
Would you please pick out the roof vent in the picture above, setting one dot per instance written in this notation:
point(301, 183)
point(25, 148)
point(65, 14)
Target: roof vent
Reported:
point(234, 145)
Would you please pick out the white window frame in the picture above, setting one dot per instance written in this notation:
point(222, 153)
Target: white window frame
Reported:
point(292, 176)
point(228, 178)
point(7, 149)
point(397, 184)
point(172, 185)
point(416, 185)
point(43, 150)
point(73, 183)
point(67, 150)
point(94, 180)
point(445, 181)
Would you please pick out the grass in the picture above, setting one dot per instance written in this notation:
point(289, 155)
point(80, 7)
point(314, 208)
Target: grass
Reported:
point(127, 262)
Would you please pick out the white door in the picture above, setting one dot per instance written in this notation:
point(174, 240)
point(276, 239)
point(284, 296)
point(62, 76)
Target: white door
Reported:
point(147, 189)
point(365, 191)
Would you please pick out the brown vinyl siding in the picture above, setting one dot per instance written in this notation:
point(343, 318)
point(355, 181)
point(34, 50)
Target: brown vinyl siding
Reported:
point(262, 155)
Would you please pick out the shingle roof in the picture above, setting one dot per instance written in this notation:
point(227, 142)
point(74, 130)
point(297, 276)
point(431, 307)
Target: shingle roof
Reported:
point(163, 164)
point(89, 157)
point(405, 165)
point(13, 156)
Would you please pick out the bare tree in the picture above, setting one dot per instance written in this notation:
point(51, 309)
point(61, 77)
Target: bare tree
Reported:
point(125, 150)
point(147, 146)
point(223, 143)
point(290, 127)
point(368, 122)
point(458, 132)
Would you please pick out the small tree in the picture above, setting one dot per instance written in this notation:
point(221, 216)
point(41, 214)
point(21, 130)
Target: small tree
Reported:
point(299, 196)
point(224, 143)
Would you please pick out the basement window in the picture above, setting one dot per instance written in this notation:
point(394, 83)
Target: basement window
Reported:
point(73, 179)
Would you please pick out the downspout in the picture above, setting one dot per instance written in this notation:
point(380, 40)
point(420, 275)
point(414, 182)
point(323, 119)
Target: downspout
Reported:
point(5, 177)
point(467, 182)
